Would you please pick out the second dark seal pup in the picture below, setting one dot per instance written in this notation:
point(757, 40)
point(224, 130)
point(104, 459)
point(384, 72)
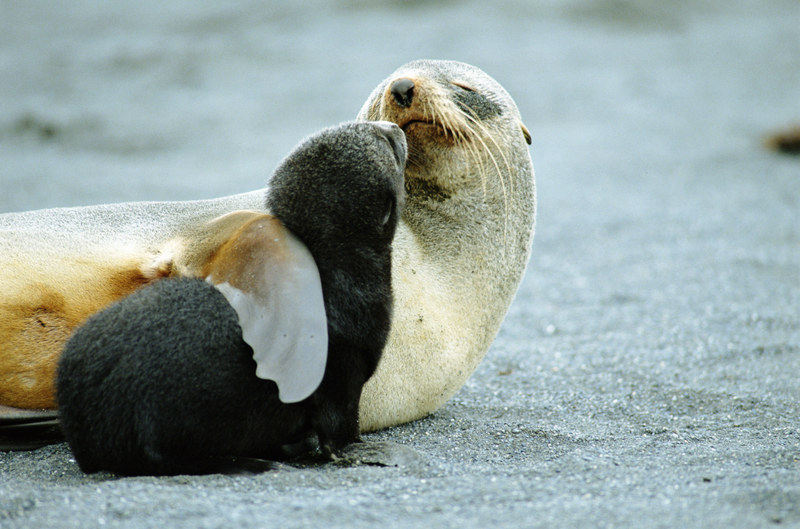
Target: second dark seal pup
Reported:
point(164, 381)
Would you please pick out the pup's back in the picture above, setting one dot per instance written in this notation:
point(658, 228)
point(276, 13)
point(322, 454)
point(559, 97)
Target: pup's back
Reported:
point(189, 385)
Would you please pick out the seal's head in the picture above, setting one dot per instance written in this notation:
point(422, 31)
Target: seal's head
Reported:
point(466, 141)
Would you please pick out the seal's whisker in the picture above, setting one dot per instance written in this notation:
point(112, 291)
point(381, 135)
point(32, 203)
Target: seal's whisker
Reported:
point(429, 107)
point(412, 155)
point(462, 134)
point(486, 134)
point(444, 124)
point(499, 150)
point(473, 118)
point(502, 182)
point(449, 126)
point(379, 109)
point(472, 149)
point(491, 156)
point(425, 110)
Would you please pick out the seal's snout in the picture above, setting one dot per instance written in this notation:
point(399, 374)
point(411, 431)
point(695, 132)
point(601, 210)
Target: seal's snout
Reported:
point(403, 92)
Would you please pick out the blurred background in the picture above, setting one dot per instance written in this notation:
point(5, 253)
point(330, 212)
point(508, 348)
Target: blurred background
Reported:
point(154, 100)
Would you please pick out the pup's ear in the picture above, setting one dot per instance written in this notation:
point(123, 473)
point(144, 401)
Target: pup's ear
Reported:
point(269, 277)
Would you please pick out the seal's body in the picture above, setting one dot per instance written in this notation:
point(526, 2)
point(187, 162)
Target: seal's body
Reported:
point(460, 251)
point(180, 373)
point(59, 266)
point(465, 237)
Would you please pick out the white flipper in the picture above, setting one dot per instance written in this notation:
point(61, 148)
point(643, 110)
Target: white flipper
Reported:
point(270, 278)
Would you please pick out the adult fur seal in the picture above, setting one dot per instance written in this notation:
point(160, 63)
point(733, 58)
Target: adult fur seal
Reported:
point(165, 382)
point(465, 237)
point(459, 254)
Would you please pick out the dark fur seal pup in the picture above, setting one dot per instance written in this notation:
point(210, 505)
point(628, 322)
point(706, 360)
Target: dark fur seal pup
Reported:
point(164, 381)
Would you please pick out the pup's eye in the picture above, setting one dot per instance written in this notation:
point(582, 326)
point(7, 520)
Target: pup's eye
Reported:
point(388, 210)
point(463, 87)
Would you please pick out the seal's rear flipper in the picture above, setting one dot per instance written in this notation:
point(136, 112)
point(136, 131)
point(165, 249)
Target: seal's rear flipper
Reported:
point(28, 429)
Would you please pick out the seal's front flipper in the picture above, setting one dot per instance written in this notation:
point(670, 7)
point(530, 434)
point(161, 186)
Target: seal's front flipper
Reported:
point(28, 429)
point(270, 278)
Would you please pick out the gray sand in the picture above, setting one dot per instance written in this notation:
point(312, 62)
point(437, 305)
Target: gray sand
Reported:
point(647, 373)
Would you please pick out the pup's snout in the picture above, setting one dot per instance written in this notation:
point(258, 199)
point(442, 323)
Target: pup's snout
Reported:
point(396, 138)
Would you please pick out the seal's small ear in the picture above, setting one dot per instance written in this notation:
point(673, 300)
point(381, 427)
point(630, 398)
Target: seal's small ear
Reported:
point(525, 133)
point(269, 277)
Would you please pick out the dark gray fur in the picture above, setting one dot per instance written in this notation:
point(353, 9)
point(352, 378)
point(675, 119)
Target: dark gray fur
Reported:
point(162, 382)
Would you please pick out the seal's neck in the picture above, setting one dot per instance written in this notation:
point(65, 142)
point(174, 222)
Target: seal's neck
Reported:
point(478, 233)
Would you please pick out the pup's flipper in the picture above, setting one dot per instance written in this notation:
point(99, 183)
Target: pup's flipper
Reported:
point(28, 429)
point(270, 278)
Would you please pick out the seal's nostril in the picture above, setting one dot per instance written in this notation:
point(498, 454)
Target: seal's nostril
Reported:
point(403, 92)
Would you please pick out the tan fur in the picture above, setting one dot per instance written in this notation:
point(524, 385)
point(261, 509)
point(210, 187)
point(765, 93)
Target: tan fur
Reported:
point(38, 314)
point(59, 266)
point(240, 260)
point(43, 298)
point(459, 254)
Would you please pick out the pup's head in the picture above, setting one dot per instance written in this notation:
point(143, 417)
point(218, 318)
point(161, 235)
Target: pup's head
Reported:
point(342, 189)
